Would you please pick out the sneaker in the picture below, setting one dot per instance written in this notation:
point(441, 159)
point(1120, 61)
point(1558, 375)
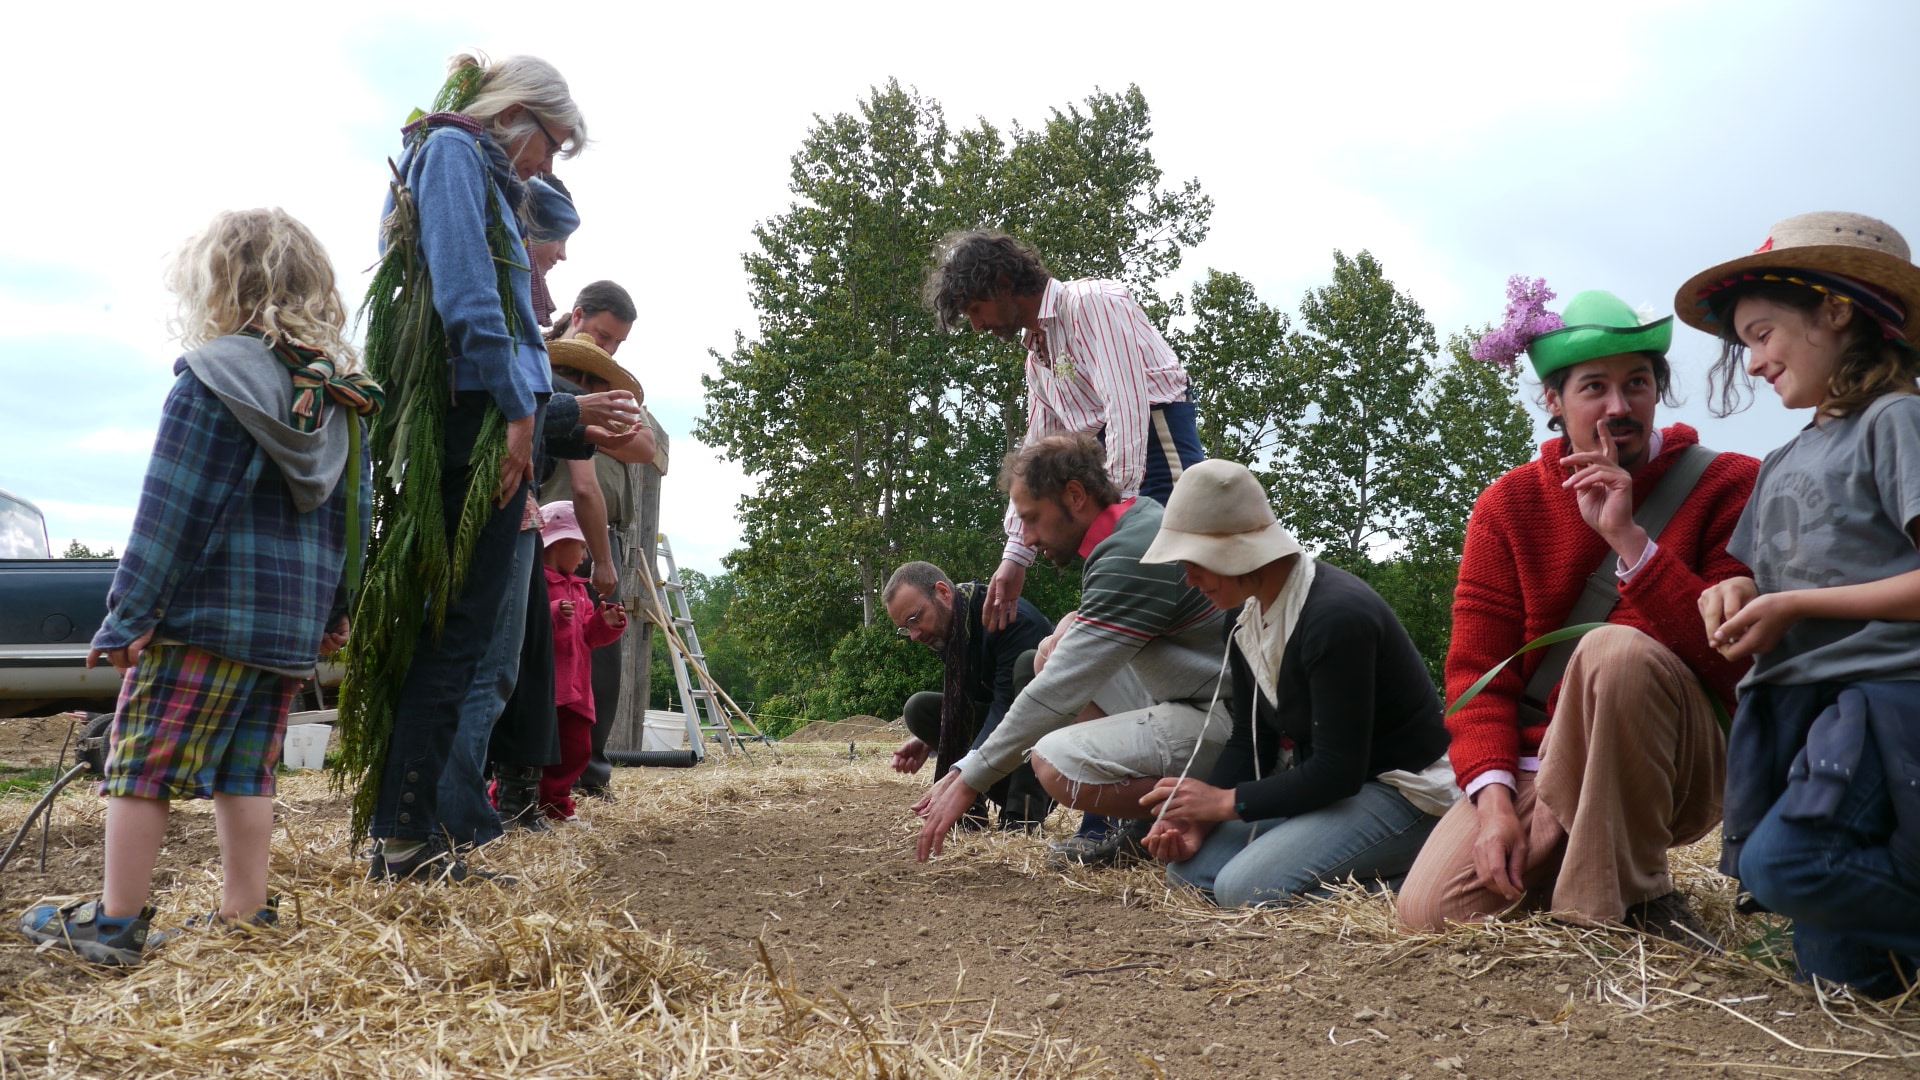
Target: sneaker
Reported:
point(82, 928)
point(1670, 918)
point(434, 863)
point(1121, 844)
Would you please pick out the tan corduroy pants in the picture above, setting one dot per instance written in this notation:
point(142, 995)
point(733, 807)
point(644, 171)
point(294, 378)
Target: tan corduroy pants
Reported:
point(1633, 763)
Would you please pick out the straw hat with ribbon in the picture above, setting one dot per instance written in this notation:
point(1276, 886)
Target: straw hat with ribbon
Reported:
point(581, 354)
point(1863, 261)
point(1218, 517)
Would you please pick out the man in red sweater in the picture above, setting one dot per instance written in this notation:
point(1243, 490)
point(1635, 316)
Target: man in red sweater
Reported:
point(1573, 801)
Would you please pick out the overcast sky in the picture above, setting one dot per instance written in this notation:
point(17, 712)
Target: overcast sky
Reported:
point(1601, 145)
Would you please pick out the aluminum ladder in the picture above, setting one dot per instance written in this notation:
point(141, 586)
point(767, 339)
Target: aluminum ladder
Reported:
point(703, 713)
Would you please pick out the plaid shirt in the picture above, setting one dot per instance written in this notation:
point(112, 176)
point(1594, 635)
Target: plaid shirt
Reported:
point(219, 558)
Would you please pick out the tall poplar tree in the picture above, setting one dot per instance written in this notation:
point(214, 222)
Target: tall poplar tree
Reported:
point(874, 437)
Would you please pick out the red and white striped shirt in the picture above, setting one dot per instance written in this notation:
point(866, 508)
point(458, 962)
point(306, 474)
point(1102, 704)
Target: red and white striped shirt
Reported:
point(1096, 362)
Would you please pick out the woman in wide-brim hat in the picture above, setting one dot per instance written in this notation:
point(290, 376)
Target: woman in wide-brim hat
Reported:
point(1822, 814)
point(1337, 764)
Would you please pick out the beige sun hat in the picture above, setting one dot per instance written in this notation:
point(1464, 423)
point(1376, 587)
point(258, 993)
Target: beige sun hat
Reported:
point(1829, 242)
point(1218, 516)
point(581, 353)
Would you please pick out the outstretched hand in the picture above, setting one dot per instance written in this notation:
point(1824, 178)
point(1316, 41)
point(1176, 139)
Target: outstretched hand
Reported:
point(911, 755)
point(944, 806)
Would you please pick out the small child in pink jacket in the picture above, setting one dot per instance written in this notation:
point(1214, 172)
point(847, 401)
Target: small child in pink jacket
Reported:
point(577, 630)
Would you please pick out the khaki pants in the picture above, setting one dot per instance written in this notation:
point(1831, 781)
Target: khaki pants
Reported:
point(1633, 763)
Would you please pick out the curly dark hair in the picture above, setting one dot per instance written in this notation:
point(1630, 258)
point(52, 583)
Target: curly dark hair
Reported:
point(979, 265)
point(1046, 466)
point(1556, 381)
point(1869, 367)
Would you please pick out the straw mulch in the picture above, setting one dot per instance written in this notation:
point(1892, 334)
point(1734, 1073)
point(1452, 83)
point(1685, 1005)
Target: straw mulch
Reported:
point(862, 728)
point(365, 980)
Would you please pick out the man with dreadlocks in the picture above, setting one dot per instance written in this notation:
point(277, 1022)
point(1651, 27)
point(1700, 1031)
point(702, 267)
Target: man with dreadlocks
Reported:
point(452, 333)
point(985, 670)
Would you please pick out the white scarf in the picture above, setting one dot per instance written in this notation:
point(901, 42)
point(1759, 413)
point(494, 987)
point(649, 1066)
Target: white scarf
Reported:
point(1262, 635)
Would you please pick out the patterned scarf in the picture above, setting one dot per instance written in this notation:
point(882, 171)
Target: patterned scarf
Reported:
point(954, 657)
point(314, 380)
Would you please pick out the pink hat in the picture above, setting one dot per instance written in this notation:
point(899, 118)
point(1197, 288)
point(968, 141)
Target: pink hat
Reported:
point(557, 522)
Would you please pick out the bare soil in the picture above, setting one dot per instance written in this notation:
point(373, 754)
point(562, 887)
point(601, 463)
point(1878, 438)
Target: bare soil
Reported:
point(811, 861)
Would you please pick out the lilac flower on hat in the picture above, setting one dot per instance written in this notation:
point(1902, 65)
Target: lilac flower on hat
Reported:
point(1527, 318)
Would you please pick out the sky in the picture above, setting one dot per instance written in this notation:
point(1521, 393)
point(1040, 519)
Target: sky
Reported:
point(1623, 145)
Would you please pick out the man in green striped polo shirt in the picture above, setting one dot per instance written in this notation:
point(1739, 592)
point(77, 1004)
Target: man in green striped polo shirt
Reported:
point(1140, 662)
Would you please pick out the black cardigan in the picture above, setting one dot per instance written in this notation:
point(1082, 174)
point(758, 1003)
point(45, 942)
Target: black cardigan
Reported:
point(1355, 701)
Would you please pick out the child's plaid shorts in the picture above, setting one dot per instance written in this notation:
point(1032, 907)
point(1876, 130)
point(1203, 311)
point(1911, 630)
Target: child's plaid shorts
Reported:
point(191, 724)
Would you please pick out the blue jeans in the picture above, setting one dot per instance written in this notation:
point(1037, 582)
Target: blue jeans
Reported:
point(455, 677)
point(466, 816)
point(1374, 835)
point(1855, 912)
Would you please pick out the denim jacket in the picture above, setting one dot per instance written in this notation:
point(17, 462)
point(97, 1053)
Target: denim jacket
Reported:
point(448, 174)
point(1799, 745)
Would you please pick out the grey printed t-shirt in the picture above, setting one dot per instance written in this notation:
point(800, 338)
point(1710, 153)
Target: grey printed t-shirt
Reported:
point(1832, 508)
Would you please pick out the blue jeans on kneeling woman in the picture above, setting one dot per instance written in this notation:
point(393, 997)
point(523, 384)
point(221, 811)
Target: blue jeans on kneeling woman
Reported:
point(1840, 865)
point(1372, 836)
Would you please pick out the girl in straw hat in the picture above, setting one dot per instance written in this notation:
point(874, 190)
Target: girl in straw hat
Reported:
point(1822, 815)
point(1337, 764)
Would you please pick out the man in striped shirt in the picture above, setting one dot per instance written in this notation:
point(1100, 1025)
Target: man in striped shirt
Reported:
point(1132, 691)
point(1095, 364)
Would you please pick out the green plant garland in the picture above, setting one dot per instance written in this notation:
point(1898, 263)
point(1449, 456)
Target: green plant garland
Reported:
point(411, 573)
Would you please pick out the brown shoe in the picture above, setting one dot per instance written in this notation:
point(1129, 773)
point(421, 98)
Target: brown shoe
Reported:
point(1670, 918)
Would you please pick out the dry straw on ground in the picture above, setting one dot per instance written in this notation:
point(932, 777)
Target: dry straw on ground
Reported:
point(371, 981)
point(366, 980)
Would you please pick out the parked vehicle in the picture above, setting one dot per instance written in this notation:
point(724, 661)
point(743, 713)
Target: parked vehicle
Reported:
point(49, 609)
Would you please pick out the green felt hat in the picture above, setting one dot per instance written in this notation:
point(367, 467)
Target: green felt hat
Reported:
point(1597, 323)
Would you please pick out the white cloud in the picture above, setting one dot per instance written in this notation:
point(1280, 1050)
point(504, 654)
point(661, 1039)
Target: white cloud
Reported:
point(115, 440)
point(1458, 143)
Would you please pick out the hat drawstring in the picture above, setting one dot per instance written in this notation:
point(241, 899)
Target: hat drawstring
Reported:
point(1225, 655)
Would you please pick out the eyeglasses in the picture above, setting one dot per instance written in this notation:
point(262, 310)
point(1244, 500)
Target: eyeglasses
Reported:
point(912, 623)
point(554, 146)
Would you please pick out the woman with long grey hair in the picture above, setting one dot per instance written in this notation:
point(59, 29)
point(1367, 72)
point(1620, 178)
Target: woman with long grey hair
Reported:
point(453, 460)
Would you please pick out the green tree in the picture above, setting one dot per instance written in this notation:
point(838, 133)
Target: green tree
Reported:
point(874, 437)
point(1247, 389)
point(1480, 431)
point(710, 602)
point(1349, 479)
point(78, 550)
point(874, 670)
point(1372, 446)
